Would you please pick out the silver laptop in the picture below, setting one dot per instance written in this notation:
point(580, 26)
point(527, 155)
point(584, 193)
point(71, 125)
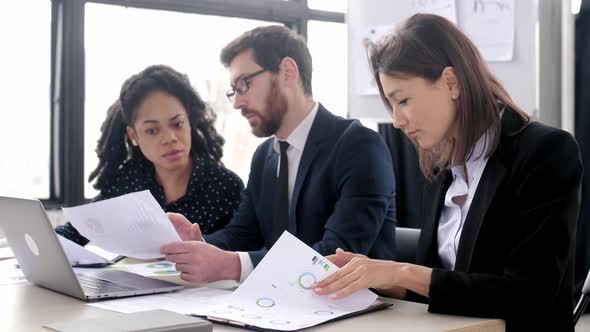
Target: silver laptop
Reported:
point(44, 262)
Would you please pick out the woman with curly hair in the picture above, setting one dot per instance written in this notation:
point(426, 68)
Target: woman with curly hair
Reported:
point(159, 136)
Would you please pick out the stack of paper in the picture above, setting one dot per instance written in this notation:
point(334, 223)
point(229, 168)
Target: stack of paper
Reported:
point(277, 295)
point(132, 225)
point(78, 255)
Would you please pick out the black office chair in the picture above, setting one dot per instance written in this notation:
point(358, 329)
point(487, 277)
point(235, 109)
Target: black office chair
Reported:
point(406, 243)
point(584, 299)
point(409, 181)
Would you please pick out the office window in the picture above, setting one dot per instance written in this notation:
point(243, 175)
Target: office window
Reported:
point(122, 41)
point(25, 88)
point(327, 43)
point(329, 5)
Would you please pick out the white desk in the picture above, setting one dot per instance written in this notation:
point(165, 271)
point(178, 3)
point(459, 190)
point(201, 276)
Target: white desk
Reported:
point(25, 307)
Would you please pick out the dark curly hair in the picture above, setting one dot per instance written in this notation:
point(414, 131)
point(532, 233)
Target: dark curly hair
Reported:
point(114, 146)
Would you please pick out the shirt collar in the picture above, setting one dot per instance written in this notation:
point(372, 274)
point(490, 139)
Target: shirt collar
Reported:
point(299, 135)
point(478, 156)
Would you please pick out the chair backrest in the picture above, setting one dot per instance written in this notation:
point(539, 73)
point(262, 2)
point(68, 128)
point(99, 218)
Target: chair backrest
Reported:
point(584, 299)
point(409, 181)
point(406, 243)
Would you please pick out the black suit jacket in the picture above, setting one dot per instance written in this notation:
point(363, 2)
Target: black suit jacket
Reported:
point(515, 254)
point(582, 104)
point(343, 195)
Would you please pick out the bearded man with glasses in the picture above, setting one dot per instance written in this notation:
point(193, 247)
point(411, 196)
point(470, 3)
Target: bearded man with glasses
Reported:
point(327, 180)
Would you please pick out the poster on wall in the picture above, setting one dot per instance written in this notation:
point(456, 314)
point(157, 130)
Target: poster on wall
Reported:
point(444, 8)
point(491, 26)
point(373, 35)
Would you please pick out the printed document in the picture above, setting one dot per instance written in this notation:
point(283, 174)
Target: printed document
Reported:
point(277, 295)
point(78, 255)
point(184, 301)
point(132, 225)
point(150, 269)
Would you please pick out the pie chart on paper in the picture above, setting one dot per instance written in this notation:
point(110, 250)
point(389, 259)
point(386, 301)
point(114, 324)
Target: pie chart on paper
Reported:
point(163, 265)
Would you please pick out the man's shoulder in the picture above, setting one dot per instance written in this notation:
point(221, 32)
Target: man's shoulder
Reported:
point(337, 127)
point(347, 140)
point(261, 154)
point(264, 148)
point(539, 141)
point(355, 133)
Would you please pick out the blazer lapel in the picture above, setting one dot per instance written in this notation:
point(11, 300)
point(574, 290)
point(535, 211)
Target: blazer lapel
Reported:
point(486, 190)
point(271, 166)
point(432, 203)
point(434, 194)
point(314, 143)
point(492, 177)
point(268, 183)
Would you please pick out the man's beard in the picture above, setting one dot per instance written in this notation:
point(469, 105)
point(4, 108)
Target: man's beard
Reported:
point(276, 106)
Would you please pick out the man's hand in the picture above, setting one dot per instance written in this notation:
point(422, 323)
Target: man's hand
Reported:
point(187, 230)
point(200, 262)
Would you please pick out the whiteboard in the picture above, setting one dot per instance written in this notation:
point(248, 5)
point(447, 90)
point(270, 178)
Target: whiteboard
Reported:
point(519, 76)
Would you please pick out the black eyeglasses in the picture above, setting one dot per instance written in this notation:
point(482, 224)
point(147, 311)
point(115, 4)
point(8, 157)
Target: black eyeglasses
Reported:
point(242, 85)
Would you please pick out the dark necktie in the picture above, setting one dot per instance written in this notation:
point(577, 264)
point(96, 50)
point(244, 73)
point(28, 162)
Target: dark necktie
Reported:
point(281, 206)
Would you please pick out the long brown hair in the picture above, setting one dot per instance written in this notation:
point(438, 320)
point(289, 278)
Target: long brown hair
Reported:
point(423, 46)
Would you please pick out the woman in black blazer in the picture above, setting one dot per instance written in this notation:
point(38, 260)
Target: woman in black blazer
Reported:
point(501, 205)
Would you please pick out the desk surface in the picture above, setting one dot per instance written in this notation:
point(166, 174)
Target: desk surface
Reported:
point(25, 307)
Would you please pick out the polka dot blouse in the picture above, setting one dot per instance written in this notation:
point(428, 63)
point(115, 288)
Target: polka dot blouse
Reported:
point(212, 195)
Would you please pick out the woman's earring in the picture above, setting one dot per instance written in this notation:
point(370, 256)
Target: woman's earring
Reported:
point(454, 97)
point(133, 142)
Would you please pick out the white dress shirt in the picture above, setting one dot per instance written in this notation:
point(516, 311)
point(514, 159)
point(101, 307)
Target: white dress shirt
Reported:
point(296, 142)
point(452, 218)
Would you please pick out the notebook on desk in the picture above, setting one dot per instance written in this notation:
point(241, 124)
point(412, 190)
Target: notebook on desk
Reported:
point(44, 262)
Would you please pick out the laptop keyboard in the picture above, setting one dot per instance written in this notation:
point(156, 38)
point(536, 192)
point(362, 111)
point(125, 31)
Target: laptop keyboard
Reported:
point(93, 285)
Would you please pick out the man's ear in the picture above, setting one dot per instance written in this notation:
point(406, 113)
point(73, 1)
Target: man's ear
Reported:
point(451, 82)
point(132, 135)
point(289, 71)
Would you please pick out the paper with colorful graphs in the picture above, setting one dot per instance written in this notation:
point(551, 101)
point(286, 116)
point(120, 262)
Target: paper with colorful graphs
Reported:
point(278, 295)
